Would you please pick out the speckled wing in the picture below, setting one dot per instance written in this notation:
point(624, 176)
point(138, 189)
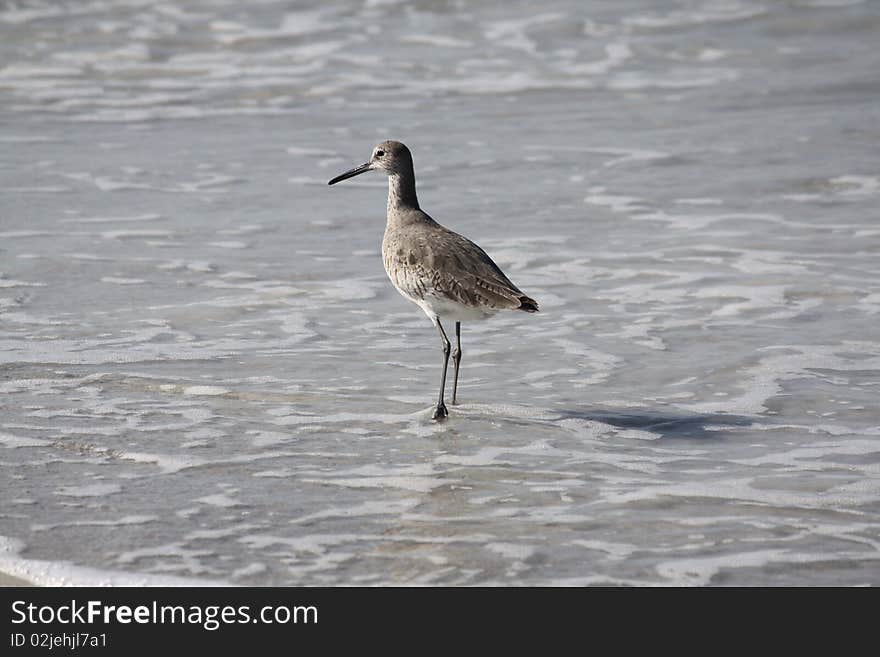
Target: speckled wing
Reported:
point(434, 261)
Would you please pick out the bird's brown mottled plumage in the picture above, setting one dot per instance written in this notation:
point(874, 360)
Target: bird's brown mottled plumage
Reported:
point(424, 258)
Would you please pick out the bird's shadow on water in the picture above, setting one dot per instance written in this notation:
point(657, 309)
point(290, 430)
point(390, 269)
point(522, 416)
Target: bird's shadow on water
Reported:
point(669, 425)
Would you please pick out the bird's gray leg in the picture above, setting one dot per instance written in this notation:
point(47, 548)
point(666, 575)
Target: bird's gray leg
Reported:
point(440, 412)
point(456, 360)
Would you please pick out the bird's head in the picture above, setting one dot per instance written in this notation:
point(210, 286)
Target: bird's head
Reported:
point(392, 157)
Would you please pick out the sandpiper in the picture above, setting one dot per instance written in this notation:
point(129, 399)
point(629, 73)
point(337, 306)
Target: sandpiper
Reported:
point(445, 274)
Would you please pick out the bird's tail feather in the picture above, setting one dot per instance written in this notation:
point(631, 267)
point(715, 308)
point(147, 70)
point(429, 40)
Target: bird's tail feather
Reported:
point(528, 304)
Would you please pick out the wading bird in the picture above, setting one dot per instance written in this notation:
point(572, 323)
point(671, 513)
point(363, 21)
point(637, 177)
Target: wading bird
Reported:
point(446, 275)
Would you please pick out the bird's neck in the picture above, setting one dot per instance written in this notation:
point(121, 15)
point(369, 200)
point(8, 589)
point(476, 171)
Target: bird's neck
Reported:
point(402, 193)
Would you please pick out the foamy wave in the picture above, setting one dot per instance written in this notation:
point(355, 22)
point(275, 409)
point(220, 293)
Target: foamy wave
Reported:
point(60, 573)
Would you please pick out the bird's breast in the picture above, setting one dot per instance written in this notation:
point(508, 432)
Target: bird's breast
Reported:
point(406, 275)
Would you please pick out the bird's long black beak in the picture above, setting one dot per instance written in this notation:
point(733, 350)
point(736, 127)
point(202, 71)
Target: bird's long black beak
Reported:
point(351, 174)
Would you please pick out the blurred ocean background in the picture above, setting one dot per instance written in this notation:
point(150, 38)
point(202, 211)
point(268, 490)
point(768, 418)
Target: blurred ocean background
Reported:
point(205, 376)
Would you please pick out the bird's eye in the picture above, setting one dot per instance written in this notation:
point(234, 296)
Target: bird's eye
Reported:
point(380, 153)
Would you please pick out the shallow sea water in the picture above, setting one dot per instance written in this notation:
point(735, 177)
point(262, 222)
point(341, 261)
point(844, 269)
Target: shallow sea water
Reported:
point(205, 376)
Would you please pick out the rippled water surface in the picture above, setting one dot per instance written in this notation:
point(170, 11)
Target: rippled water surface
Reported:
point(206, 377)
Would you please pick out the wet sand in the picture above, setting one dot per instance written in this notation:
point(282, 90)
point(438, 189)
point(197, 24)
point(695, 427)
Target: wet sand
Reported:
point(11, 580)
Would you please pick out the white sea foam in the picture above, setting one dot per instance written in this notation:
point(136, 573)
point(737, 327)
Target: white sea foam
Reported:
point(852, 185)
point(10, 440)
point(119, 280)
point(201, 391)
point(63, 573)
point(722, 12)
point(219, 499)
point(701, 570)
point(89, 490)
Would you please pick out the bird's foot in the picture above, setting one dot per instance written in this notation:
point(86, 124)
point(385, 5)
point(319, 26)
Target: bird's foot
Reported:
point(454, 402)
point(440, 413)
